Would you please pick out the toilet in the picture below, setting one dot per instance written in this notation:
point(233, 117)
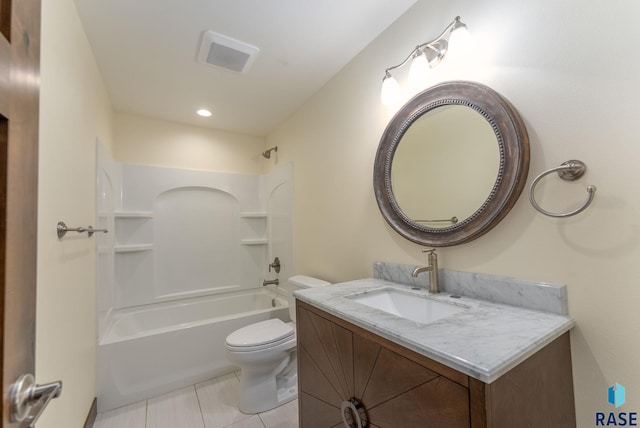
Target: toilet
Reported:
point(266, 354)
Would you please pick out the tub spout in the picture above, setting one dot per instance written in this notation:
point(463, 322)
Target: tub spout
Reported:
point(272, 282)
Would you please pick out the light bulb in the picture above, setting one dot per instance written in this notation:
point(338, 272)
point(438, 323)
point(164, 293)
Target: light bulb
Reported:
point(390, 90)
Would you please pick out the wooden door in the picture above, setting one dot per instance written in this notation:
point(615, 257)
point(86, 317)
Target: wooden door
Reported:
point(19, 104)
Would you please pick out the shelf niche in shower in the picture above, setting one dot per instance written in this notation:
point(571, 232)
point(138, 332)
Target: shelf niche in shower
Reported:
point(253, 215)
point(132, 248)
point(253, 228)
point(134, 231)
point(254, 241)
point(133, 214)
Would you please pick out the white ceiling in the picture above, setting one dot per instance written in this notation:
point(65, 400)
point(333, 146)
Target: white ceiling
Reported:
point(146, 51)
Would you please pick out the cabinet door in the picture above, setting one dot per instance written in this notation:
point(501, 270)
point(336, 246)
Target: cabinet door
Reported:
point(337, 364)
point(325, 370)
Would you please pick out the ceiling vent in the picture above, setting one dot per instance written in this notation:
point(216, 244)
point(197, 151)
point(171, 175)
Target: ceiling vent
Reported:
point(224, 52)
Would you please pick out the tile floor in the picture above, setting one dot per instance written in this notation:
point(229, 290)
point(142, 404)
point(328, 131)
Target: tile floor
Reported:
point(210, 404)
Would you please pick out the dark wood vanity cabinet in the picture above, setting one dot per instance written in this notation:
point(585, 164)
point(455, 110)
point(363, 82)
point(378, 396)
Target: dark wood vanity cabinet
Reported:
point(392, 387)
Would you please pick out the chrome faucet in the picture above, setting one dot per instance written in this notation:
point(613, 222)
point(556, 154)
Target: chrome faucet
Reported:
point(272, 282)
point(434, 286)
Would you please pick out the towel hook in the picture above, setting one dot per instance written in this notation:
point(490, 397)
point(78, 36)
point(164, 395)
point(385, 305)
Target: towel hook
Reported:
point(570, 170)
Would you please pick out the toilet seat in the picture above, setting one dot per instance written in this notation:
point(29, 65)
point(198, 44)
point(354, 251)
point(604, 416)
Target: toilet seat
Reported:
point(261, 335)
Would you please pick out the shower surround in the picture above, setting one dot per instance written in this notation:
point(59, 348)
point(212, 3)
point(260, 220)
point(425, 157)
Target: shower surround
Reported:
point(182, 240)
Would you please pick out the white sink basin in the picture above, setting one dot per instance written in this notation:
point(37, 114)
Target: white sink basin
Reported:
point(416, 308)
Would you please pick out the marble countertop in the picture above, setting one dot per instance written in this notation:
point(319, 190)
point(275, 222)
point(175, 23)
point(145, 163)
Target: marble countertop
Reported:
point(485, 341)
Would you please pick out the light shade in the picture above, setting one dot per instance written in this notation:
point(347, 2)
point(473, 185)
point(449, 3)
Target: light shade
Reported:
point(419, 71)
point(459, 43)
point(390, 90)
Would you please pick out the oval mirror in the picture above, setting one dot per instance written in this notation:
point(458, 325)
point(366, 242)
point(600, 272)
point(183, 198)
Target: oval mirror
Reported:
point(451, 164)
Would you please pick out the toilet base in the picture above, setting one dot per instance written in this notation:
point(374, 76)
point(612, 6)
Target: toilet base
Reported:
point(287, 389)
point(258, 400)
point(261, 393)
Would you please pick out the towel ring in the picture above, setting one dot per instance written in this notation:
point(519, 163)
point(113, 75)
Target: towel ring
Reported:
point(570, 170)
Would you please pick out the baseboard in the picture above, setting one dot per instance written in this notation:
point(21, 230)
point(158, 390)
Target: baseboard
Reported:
point(93, 413)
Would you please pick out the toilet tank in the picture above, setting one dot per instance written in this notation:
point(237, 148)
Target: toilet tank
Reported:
point(300, 282)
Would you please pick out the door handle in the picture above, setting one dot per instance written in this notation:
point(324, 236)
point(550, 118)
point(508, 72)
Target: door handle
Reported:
point(28, 400)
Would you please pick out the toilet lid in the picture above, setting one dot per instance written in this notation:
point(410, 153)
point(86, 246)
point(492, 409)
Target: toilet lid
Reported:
point(260, 333)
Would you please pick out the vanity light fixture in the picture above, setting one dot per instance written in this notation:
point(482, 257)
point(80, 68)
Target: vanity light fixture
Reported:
point(423, 58)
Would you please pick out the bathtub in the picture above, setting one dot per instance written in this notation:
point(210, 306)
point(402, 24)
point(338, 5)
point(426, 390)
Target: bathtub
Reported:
point(153, 349)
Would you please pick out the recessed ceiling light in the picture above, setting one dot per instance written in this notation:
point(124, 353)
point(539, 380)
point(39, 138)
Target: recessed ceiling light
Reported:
point(204, 112)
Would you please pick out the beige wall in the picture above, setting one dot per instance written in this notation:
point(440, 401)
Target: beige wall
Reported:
point(577, 91)
point(144, 141)
point(74, 110)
